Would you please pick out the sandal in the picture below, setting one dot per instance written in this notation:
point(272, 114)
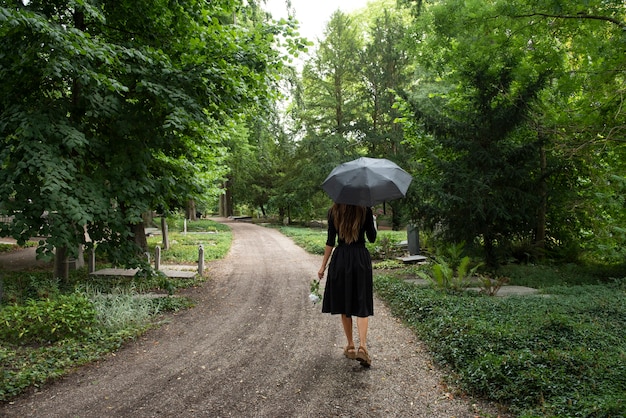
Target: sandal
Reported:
point(363, 357)
point(349, 352)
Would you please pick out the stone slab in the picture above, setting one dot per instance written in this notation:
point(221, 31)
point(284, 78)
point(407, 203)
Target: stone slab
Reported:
point(511, 290)
point(413, 259)
point(506, 290)
point(179, 274)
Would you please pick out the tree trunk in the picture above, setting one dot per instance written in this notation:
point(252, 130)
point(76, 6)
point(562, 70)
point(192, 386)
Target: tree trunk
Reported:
point(191, 210)
point(226, 201)
point(61, 265)
point(148, 218)
point(139, 232)
point(540, 232)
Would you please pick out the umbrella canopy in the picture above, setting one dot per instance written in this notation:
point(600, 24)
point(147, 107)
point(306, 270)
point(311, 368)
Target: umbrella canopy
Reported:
point(366, 182)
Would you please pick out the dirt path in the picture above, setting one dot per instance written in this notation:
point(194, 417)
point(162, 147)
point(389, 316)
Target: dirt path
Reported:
point(254, 346)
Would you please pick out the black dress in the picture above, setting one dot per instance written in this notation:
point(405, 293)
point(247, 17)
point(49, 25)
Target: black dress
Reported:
point(349, 285)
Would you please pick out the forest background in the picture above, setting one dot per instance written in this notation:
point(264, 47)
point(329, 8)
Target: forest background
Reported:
point(509, 115)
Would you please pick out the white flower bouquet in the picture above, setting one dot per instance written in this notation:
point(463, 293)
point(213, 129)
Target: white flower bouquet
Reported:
point(315, 295)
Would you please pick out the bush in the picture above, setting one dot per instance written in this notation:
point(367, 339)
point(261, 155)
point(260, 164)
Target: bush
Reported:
point(42, 321)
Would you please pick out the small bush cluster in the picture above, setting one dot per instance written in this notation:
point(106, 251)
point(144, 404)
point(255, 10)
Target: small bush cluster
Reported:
point(386, 246)
point(49, 320)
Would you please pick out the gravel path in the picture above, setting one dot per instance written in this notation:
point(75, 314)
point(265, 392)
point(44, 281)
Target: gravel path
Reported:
point(254, 346)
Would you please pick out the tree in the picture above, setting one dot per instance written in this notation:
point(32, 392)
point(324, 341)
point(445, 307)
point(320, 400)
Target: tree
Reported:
point(384, 64)
point(330, 79)
point(502, 114)
point(111, 109)
point(479, 161)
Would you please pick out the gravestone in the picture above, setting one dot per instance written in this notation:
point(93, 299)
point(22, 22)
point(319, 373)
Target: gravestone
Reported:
point(413, 239)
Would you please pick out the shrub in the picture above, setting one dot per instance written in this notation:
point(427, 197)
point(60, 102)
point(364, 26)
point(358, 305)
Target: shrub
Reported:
point(42, 321)
point(445, 276)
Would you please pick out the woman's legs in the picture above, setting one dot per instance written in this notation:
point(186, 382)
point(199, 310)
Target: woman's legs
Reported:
point(362, 355)
point(346, 321)
point(361, 324)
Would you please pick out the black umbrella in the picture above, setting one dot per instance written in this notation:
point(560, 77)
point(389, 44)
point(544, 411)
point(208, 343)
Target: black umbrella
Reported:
point(366, 182)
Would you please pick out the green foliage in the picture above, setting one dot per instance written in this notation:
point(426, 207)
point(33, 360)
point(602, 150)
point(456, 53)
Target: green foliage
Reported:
point(498, 146)
point(541, 276)
point(39, 364)
point(490, 286)
point(451, 270)
point(124, 117)
point(49, 320)
point(19, 287)
point(120, 309)
point(559, 354)
point(445, 276)
point(386, 245)
point(71, 330)
point(6, 248)
point(49, 327)
point(314, 241)
point(388, 265)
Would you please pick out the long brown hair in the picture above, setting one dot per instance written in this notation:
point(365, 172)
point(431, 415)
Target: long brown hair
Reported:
point(348, 220)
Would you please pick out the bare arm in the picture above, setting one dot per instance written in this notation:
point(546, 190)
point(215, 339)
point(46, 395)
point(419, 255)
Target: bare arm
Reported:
point(327, 251)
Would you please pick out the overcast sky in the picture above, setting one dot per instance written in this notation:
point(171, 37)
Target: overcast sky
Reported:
point(313, 15)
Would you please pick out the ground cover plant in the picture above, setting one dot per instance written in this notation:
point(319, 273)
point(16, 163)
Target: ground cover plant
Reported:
point(557, 354)
point(49, 326)
point(561, 353)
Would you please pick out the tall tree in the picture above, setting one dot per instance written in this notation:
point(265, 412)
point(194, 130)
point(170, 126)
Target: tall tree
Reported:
point(479, 160)
point(110, 109)
point(329, 109)
point(331, 78)
point(583, 119)
point(531, 81)
point(384, 69)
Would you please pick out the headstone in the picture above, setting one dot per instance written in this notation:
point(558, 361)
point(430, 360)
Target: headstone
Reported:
point(80, 257)
point(157, 258)
point(164, 231)
point(413, 239)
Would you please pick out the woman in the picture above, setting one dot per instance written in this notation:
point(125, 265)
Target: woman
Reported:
point(349, 286)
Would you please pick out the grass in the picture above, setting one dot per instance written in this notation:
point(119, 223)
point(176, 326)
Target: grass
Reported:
point(215, 239)
point(51, 326)
point(313, 240)
point(560, 354)
point(6, 248)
